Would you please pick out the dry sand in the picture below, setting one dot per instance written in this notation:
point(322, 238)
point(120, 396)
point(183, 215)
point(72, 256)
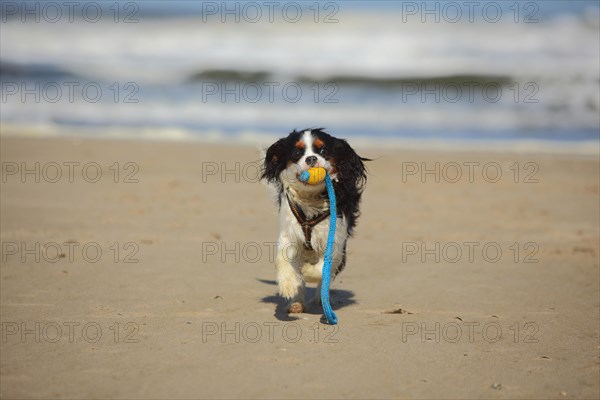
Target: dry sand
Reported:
point(198, 317)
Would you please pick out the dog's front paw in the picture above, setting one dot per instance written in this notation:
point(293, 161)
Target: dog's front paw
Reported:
point(296, 308)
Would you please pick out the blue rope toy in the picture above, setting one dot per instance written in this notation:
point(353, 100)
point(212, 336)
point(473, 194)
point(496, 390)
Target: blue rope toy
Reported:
point(326, 279)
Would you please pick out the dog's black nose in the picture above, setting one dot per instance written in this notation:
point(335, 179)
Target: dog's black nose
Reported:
point(311, 160)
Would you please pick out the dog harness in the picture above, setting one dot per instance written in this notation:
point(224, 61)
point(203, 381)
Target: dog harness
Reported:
point(306, 224)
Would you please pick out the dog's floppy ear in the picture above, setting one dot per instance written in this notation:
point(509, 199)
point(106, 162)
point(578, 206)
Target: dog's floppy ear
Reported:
point(349, 166)
point(274, 161)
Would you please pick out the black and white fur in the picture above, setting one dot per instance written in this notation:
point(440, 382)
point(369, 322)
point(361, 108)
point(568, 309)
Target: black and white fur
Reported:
point(285, 159)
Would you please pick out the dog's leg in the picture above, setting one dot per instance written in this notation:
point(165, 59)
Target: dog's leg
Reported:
point(290, 282)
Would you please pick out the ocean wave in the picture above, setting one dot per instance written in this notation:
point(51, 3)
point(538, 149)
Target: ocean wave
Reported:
point(375, 47)
point(372, 57)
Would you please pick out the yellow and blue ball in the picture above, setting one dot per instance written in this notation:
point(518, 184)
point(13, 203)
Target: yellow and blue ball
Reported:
point(313, 176)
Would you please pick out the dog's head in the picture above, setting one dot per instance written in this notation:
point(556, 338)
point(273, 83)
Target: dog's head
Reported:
point(299, 151)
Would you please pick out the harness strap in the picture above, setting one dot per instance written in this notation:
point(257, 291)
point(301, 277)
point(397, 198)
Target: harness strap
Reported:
point(306, 224)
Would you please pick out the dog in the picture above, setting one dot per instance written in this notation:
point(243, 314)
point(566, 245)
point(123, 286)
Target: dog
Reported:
point(304, 209)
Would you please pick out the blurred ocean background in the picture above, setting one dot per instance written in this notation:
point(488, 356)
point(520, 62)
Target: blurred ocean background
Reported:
point(380, 73)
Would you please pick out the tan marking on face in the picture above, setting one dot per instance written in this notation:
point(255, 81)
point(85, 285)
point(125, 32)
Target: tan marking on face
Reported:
point(318, 143)
point(299, 144)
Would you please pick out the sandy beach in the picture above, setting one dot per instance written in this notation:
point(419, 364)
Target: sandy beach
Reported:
point(145, 270)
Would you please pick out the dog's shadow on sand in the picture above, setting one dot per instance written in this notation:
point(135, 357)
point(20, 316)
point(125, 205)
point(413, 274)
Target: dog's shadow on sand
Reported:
point(339, 298)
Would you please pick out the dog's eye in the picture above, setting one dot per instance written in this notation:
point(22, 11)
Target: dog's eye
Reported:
point(322, 151)
point(297, 153)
